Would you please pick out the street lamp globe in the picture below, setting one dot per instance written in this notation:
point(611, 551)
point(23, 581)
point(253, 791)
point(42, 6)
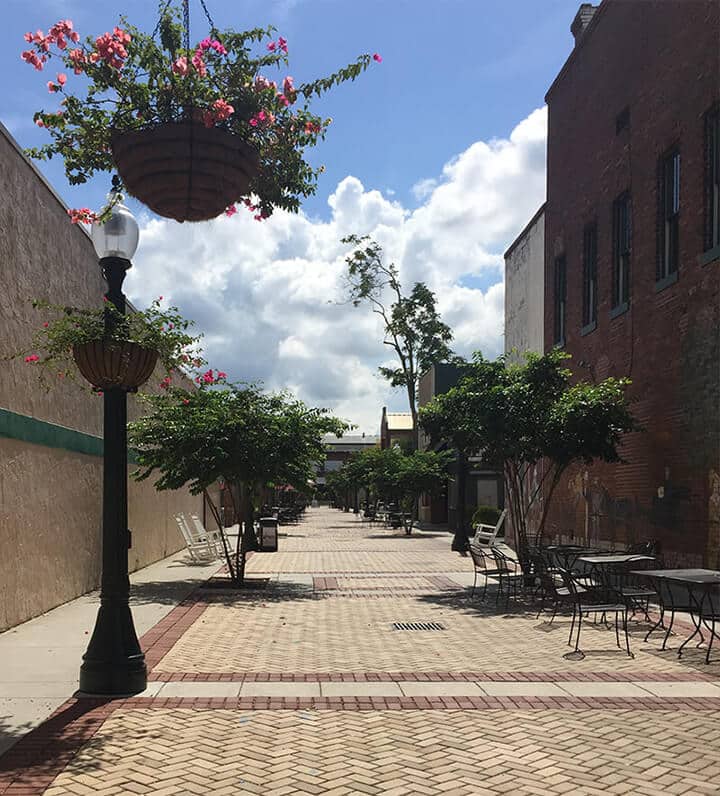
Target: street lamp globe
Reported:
point(118, 236)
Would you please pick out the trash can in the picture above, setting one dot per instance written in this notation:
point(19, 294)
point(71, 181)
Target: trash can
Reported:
point(268, 535)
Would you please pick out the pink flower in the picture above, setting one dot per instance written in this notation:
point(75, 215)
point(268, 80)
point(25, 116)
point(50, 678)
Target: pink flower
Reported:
point(45, 325)
point(52, 87)
point(199, 64)
point(165, 383)
point(111, 48)
point(33, 59)
point(186, 401)
point(32, 358)
point(377, 57)
point(180, 66)
point(221, 374)
point(39, 122)
point(82, 215)
point(261, 83)
point(253, 122)
point(78, 58)
point(283, 100)
point(312, 128)
point(230, 211)
point(223, 110)
point(289, 85)
point(62, 78)
point(272, 46)
point(282, 44)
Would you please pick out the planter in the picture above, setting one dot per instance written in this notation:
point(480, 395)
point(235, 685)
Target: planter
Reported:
point(118, 365)
point(184, 170)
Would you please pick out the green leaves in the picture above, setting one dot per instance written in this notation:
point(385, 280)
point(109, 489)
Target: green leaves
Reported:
point(156, 82)
point(413, 327)
point(237, 433)
point(392, 474)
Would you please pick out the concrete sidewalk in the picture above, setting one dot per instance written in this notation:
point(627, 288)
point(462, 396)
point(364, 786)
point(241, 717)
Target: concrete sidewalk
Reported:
point(41, 658)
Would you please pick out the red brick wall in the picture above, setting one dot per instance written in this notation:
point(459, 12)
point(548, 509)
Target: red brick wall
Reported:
point(662, 60)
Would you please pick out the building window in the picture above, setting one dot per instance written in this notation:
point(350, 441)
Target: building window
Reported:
point(560, 298)
point(590, 276)
point(668, 215)
point(712, 179)
point(622, 244)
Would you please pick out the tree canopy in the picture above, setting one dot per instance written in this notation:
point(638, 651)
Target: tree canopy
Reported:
point(515, 415)
point(238, 434)
point(413, 327)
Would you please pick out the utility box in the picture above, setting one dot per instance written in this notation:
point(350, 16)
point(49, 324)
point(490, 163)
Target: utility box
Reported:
point(268, 535)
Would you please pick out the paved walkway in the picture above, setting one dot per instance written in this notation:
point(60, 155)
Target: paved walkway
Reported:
point(312, 683)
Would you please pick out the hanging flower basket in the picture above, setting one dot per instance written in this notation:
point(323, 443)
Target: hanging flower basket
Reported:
point(109, 365)
point(185, 170)
point(130, 114)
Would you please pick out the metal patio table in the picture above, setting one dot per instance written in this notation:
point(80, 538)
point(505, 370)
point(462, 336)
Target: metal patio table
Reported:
point(703, 588)
point(568, 552)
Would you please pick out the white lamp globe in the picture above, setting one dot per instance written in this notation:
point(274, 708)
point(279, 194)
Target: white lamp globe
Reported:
point(118, 236)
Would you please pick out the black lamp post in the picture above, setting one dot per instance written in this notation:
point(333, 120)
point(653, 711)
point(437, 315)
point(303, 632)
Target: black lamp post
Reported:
point(114, 663)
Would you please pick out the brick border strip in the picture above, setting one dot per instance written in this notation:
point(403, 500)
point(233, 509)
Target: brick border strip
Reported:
point(425, 677)
point(28, 767)
point(423, 703)
point(163, 636)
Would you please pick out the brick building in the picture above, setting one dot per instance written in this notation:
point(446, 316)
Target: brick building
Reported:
point(396, 428)
point(632, 259)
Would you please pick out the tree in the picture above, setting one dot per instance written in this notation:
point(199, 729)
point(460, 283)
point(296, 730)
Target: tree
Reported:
point(395, 476)
point(516, 416)
point(421, 472)
point(240, 435)
point(413, 327)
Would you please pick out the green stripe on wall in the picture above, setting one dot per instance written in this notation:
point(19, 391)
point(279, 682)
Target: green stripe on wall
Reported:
point(51, 435)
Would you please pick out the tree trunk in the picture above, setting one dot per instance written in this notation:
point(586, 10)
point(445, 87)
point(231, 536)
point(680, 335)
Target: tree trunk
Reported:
point(218, 520)
point(460, 541)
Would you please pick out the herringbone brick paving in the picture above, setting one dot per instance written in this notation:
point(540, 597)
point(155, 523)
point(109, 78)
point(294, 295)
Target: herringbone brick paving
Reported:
point(365, 579)
point(277, 753)
point(356, 634)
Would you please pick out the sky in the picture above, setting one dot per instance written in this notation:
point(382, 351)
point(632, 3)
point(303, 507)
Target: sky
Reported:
point(438, 153)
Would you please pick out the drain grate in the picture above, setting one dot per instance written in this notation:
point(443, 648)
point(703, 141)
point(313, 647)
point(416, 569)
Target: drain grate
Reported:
point(417, 626)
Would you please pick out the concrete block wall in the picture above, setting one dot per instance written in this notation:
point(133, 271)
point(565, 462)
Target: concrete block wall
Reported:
point(50, 490)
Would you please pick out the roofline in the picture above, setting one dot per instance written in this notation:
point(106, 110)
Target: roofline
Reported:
point(43, 179)
point(527, 226)
point(599, 11)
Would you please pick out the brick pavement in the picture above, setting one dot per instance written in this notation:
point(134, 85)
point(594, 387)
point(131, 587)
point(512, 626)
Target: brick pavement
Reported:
point(309, 690)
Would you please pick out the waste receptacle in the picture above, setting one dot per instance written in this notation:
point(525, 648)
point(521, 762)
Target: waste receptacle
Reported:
point(268, 535)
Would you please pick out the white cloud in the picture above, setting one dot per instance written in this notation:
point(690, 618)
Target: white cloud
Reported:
point(266, 294)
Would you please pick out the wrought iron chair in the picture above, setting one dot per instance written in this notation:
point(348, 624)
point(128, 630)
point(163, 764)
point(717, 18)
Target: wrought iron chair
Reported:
point(596, 600)
point(484, 565)
point(508, 574)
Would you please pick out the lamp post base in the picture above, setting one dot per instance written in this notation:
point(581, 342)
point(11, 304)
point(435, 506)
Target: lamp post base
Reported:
point(114, 664)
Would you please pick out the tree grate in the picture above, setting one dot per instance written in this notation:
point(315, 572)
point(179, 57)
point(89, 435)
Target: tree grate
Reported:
point(418, 626)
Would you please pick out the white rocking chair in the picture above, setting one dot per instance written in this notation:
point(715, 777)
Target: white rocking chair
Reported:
point(486, 534)
point(198, 547)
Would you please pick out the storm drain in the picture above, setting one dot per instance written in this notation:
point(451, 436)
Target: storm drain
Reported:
point(418, 626)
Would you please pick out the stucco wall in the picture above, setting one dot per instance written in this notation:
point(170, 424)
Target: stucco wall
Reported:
point(525, 289)
point(50, 499)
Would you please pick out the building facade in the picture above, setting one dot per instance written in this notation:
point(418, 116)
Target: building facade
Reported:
point(396, 428)
point(51, 441)
point(632, 264)
point(340, 449)
point(525, 290)
point(483, 484)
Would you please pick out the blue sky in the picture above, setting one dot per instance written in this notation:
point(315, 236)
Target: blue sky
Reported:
point(438, 153)
point(454, 71)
